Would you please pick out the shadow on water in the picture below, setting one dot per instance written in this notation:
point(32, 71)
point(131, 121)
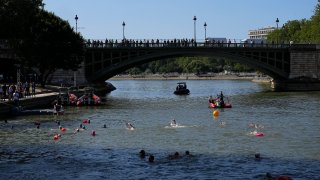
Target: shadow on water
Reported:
point(70, 162)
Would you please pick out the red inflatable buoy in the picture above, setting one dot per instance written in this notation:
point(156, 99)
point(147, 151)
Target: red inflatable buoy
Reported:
point(259, 134)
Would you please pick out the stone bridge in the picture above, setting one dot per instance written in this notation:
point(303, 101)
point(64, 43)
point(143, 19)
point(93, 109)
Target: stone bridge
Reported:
point(292, 67)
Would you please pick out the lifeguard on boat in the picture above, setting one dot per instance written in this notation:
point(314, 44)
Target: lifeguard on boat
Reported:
point(218, 102)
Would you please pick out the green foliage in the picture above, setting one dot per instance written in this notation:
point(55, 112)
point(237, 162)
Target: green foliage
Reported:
point(16, 17)
point(299, 31)
point(43, 41)
point(196, 65)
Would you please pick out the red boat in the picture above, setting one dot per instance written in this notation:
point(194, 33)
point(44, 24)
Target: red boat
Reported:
point(218, 102)
point(216, 105)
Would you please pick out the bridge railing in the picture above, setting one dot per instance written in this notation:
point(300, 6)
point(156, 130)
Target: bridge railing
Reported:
point(177, 43)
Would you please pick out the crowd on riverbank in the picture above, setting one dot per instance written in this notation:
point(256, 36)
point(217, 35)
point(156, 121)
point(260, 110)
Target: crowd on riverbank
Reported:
point(13, 92)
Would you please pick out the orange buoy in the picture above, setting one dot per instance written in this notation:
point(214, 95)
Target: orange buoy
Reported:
point(215, 113)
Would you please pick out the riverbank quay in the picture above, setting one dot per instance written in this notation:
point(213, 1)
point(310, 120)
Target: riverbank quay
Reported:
point(38, 100)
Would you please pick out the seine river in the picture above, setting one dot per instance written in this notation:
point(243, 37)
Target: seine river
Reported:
point(221, 148)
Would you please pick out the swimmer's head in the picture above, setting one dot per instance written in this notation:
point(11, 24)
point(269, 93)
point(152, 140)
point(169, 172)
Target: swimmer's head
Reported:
point(257, 155)
point(151, 158)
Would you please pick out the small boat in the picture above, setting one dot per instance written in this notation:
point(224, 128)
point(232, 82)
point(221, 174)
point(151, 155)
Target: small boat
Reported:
point(89, 98)
point(218, 102)
point(181, 89)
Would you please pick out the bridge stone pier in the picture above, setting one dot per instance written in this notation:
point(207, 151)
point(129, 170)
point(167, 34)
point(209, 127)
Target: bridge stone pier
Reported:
point(304, 70)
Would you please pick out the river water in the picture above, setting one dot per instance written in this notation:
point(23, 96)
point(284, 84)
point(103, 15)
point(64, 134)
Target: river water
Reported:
point(221, 148)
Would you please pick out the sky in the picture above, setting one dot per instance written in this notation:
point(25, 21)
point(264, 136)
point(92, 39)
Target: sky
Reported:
point(169, 19)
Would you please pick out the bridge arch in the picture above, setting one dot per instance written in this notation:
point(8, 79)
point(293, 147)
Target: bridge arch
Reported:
point(104, 63)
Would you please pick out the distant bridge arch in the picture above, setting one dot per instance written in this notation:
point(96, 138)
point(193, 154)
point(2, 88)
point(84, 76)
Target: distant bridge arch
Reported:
point(102, 63)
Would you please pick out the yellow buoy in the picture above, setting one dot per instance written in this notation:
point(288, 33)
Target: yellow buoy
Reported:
point(215, 113)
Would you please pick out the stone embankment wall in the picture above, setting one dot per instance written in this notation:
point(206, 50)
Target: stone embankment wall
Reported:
point(66, 77)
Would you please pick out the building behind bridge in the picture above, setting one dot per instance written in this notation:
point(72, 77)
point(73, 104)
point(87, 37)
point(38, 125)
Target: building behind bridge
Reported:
point(261, 33)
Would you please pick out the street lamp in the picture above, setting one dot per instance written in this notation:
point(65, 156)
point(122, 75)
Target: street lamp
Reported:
point(75, 71)
point(123, 25)
point(277, 22)
point(205, 31)
point(76, 18)
point(195, 20)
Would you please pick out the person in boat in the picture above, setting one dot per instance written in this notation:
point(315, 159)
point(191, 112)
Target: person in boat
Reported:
point(211, 100)
point(184, 86)
point(220, 98)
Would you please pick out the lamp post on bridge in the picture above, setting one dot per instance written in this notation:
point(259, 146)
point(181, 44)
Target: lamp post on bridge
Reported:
point(277, 22)
point(195, 37)
point(123, 25)
point(205, 31)
point(76, 18)
point(75, 71)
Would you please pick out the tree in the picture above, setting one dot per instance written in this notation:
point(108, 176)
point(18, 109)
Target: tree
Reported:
point(54, 45)
point(17, 17)
point(43, 41)
point(299, 31)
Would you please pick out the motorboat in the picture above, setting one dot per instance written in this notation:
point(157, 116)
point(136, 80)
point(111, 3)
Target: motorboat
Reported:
point(181, 89)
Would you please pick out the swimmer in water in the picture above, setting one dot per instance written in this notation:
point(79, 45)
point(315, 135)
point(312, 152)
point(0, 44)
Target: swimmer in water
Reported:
point(252, 125)
point(142, 154)
point(222, 123)
point(76, 130)
point(176, 155)
point(130, 126)
point(151, 158)
point(257, 156)
point(173, 123)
